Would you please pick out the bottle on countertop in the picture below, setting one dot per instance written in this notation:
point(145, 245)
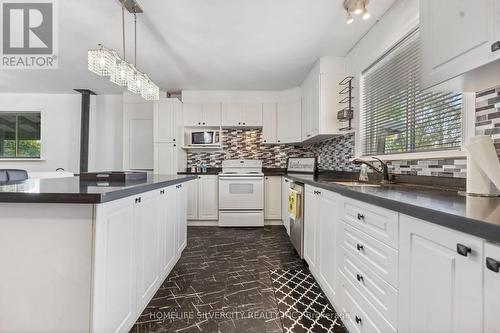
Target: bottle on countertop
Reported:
point(193, 169)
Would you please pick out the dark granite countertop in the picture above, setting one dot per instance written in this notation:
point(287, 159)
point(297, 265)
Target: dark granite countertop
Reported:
point(476, 216)
point(71, 190)
point(216, 171)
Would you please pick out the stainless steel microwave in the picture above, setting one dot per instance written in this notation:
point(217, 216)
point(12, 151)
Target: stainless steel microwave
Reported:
point(204, 138)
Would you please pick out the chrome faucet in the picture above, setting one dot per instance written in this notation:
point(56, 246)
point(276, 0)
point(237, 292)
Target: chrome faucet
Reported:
point(383, 170)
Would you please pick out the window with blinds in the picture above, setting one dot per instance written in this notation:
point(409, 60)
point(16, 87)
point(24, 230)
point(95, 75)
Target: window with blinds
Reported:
point(399, 118)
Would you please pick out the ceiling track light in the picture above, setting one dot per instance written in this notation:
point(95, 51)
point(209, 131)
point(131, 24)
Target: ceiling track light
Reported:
point(356, 7)
point(106, 62)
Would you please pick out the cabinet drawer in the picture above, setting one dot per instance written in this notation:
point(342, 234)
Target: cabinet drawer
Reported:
point(377, 222)
point(378, 257)
point(382, 296)
point(361, 316)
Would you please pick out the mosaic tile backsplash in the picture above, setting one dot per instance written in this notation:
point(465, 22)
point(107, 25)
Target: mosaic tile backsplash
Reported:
point(335, 153)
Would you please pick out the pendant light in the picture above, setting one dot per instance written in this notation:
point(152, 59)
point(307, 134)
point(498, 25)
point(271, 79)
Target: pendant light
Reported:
point(106, 62)
point(356, 7)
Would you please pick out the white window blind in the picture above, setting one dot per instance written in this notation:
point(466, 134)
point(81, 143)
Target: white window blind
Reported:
point(399, 118)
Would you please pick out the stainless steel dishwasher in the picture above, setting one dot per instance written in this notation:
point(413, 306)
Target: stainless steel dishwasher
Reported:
point(297, 223)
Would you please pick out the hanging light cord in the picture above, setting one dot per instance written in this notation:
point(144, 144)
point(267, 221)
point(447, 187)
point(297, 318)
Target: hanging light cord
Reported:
point(123, 31)
point(135, 39)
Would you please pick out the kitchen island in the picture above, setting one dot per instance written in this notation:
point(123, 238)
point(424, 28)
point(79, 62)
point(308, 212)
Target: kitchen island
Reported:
point(86, 256)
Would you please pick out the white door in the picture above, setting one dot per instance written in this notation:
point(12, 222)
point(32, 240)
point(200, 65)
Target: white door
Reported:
point(438, 287)
point(192, 194)
point(269, 123)
point(445, 56)
point(181, 201)
point(165, 158)
point(115, 276)
point(212, 114)
point(147, 217)
point(165, 126)
point(193, 114)
point(311, 221)
point(328, 220)
point(252, 115)
point(232, 114)
point(208, 197)
point(285, 186)
point(141, 143)
point(491, 288)
point(289, 120)
point(168, 221)
point(237, 193)
point(272, 197)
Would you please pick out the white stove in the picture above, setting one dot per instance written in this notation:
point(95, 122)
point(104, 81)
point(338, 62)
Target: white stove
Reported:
point(241, 194)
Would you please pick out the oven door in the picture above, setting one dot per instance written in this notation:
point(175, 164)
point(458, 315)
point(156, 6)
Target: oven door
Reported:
point(241, 193)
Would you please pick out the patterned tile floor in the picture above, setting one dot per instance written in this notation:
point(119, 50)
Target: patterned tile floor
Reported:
point(223, 283)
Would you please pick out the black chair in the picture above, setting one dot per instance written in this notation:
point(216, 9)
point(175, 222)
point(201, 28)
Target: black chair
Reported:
point(13, 175)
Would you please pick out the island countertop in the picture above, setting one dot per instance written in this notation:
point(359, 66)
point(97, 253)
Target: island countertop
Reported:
point(72, 190)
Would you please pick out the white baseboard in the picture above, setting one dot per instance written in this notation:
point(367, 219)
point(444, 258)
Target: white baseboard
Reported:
point(200, 223)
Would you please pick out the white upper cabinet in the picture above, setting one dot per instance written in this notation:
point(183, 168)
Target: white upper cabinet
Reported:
point(202, 114)
point(289, 117)
point(440, 279)
point(242, 114)
point(138, 138)
point(456, 38)
point(168, 120)
point(320, 99)
point(269, 124)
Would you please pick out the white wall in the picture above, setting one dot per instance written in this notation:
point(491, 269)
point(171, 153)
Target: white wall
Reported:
point(61, 131)
point(392, 27)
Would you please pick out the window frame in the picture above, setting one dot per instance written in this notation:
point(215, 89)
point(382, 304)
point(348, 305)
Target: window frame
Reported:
point(42, 141)
point(468, 115)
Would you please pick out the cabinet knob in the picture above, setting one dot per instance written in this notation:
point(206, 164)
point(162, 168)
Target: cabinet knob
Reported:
point(244, 123)
point(463, 250)
point(203, 123)
point(492, 264)
point(495, 46)
point(173, 140)
point(358, 320)
point(308, 135)
point(359, 277)
point(239, 123)
point(267, 177)
point(361, 217)
point(162, 191)
point(265, 140)
point(360, 247)
point(175, 145)
point(279, 140)
point(199, 123)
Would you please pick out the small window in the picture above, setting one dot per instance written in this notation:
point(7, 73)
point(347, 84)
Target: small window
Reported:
point(397, 116)
point(20, 135)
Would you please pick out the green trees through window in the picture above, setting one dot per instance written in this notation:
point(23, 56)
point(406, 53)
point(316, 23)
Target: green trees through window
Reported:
point(20, 135)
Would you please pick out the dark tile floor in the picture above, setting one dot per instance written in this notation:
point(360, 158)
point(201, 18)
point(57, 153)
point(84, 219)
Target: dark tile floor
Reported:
point(222, 283)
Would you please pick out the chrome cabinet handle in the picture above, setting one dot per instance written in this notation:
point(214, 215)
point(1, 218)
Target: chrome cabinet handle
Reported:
point(361, 217)
point(359, 277)
point(360, 247)
point(358, 320)
point(495, 46)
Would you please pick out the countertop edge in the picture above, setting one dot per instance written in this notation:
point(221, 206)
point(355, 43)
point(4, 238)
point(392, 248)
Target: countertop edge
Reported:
point(473, 227)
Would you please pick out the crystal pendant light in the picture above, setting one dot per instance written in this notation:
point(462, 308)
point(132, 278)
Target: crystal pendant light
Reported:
point(101, 61)
point(122, 73)
point(150, 91)
point(136, 82)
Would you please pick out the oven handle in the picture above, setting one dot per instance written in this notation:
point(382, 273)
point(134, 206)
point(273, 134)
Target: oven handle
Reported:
point(240, 178)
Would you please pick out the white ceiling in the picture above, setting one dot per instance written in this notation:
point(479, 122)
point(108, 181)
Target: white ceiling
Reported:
point(200, 44)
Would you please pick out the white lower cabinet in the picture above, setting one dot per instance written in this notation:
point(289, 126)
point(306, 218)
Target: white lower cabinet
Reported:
point(203, 198)
point(491, 288)
point(285, 186)
point(440, 290)
point(272, 198)
point(311, 222)
point(137, 242)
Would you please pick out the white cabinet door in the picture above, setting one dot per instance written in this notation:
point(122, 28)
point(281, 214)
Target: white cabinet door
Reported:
point(311, 222)
point(269, 123)
point(232, 114)
point(168, 219)
point(272, 198)
point(181, 201)
point(114, 303)
point(212, 114)
point(491, 288)
point(208, 197)
point(438, 287)
point(141, 141)
point(165, 158)
point(444, 56)
point(310, 108)
point(193, 114)
point(289, 120)
point(252, 115)
point(285, 186)
point(147, 219)
point(328, 220)
point(165, 118)
point(192, 195)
